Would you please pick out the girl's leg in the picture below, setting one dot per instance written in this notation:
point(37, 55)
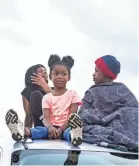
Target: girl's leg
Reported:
point(74, 134)
point(36, 107)
point(36, 133)
point(18, 131)
point(15, 126)
point(66, 135)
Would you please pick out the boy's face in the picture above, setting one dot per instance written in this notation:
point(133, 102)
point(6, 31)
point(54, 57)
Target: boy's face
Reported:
point(98, 76)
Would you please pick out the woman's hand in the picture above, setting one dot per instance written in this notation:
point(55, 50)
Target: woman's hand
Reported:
point(38, 80)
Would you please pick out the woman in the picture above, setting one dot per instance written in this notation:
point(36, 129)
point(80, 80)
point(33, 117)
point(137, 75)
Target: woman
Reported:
point(36, 85)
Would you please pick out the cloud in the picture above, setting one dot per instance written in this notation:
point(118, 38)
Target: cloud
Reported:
point(13, 36)
point(8, 9)
point(31, 30)
point(110, 24)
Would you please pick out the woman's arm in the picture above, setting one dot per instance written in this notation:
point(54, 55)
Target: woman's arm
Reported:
point(28, 119)
point(40, 81)
point(46, 88)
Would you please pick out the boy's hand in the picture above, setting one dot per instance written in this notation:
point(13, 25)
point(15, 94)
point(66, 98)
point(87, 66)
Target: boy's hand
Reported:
point(52, 132)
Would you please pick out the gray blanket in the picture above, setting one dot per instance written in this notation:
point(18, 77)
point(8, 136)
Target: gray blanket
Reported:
point(110, 114)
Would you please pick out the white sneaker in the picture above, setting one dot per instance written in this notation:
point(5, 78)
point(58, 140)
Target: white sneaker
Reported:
point(76, 126)
point(15, 125)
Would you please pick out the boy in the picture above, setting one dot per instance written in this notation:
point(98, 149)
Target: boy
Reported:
point(110, 110)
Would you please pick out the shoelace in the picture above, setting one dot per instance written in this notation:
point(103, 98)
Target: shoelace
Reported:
point(13, 128)
point(77, 132)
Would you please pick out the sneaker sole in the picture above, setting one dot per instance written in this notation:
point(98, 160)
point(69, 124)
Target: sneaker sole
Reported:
point(76, 126)
point(12, 121)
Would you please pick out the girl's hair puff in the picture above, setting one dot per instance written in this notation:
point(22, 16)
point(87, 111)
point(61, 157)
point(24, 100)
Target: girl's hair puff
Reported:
point(55, 59)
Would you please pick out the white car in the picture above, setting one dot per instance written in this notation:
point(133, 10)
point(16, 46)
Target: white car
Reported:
point(56, 152)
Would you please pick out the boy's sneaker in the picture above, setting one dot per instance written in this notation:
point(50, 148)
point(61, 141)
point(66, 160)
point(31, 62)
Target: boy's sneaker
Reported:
point(15, 125)
point(76, 127)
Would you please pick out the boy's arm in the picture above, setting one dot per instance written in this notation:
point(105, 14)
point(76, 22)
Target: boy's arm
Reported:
point(73, 109)
point(87, 101)
point(128, 98)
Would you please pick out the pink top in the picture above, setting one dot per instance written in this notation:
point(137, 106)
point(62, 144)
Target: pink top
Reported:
point(59, 106)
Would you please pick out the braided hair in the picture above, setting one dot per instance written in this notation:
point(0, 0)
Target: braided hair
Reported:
point(67, 61)
point(29, 73)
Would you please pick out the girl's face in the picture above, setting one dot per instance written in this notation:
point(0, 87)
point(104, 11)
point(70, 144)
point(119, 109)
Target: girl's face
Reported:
point(60, 76)
point(42, 71)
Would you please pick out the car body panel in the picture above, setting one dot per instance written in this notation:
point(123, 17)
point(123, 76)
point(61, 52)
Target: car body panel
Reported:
point(64, 145)
point(9, 147)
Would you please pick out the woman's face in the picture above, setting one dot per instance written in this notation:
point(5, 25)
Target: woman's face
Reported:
point(42, 71)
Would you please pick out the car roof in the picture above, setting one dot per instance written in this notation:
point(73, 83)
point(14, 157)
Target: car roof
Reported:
point(62, 145)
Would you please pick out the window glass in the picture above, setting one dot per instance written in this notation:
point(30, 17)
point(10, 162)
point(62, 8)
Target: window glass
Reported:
point(54, 157)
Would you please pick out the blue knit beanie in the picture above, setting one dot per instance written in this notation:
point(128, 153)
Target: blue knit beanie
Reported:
point(108, 65)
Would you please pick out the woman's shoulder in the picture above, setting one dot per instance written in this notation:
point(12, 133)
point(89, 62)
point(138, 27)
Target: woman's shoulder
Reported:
point(26, 92)
point(27, 89)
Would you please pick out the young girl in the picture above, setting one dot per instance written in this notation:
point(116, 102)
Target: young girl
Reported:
point(59, 108)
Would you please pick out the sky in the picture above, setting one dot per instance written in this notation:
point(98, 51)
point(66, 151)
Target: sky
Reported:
point(31, 30)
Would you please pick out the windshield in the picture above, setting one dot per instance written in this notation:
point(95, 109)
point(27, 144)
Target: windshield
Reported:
point(61, 157)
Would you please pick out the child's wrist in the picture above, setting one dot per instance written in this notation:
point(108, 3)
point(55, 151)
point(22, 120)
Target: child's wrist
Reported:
point(61, 129)
point(48, 125)
point(44, 85)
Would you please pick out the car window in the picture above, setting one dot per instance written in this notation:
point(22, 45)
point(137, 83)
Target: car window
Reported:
point(59, 157)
